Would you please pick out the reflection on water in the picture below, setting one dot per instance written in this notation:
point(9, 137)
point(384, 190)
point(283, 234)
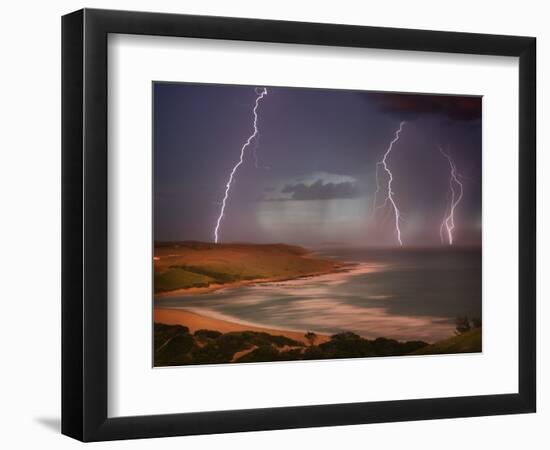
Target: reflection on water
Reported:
point(402, 294)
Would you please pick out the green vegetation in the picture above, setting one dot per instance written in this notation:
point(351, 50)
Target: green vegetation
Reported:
point(177, 278)
point(467, 342)
point(311, 337)
point(467, 339)
point(175, 345)
point(217, 275)
point(163, 333)
point(465, 324)
point(183, 265)
point(207, 334)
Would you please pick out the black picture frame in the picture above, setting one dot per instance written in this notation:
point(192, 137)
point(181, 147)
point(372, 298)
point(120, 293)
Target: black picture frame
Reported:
point(84, 224)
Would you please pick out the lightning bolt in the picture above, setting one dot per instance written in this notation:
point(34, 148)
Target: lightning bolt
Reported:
point(390, 195)
point(261, 93)
point(448, 223)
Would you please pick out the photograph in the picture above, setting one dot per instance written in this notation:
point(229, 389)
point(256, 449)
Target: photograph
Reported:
point(307, 224)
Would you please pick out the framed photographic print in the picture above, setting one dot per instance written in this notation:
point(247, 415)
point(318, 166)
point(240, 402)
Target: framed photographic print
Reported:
point(273, 224)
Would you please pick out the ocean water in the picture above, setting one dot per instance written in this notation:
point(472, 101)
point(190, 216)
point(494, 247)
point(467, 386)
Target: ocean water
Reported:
point(400, 294)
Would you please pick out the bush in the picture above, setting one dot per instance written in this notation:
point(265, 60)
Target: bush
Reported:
point(209, 334)
point(230, 343)
point(462, 325)
point(345, 336)
point(411, 346)
point(476, 322)
point(261, 354)
point(162, 328)
point(347, 345)
point(175, 350)
point(387, 347)
point(291, 355)
point(311, 337)
point(314, 352)
point(209, 354)
point(162, 333)
point(281, 341)
point(174, 345)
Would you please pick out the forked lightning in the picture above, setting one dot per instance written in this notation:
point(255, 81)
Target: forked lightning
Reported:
point(390, 194)
point(448, 224)
point(261, 92)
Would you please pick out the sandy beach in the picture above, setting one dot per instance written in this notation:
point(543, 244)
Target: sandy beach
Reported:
point(196, 322)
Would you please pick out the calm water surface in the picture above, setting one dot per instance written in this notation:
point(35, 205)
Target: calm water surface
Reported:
point(403, 294)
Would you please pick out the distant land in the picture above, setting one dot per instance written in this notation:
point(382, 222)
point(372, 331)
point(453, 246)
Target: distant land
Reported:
point(195, 267)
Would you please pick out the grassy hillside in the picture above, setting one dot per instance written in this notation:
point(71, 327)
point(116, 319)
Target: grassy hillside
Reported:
point(469, 342)
point(182, 265)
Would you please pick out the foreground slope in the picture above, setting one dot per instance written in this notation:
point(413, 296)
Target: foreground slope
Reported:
point(469, 342)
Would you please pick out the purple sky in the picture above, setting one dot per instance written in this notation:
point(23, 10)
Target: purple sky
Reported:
point(314, 180)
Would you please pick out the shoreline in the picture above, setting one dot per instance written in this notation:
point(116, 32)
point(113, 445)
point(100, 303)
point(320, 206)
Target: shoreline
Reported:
point(195, 321)
point(338, 267)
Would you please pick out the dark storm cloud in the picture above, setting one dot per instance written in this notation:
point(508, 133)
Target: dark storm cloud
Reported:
point(322, 191)
point(409, 106)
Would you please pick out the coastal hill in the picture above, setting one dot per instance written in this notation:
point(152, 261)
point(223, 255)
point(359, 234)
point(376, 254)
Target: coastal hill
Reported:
point(206, 266)
point(467, 342)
